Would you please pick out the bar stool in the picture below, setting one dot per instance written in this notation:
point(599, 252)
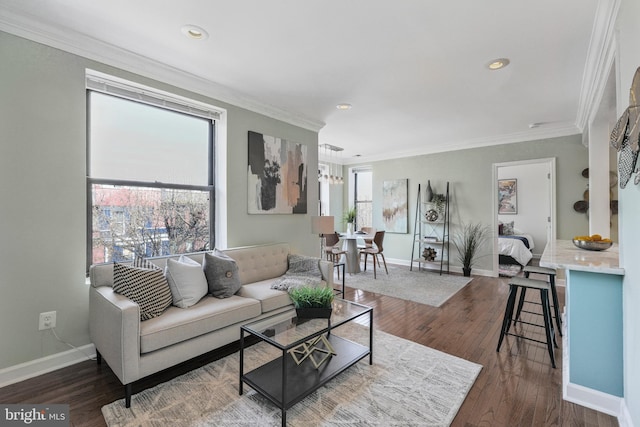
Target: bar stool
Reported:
point(516, 283)
point(554, 294)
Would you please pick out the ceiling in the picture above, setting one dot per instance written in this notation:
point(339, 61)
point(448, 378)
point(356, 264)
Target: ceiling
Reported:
point(415, 71)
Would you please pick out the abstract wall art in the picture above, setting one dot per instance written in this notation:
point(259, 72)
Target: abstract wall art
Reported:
point(507, 196)
point(395, 212)
point(277, 175)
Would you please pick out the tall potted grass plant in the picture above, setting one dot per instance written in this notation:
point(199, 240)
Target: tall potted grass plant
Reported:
point(468, 241)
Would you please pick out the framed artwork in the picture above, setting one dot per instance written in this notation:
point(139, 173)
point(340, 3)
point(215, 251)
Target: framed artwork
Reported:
point(507, 196)
point(277, 175)
point(395, 211)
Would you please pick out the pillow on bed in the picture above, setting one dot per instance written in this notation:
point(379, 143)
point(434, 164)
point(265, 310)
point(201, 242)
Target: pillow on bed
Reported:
point(507, 228)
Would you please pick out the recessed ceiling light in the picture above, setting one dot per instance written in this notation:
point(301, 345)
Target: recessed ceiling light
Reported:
point(194, 32)
point(497, 64)
point(344, 106)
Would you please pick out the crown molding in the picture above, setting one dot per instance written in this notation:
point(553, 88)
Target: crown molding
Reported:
point(547, 131)
point(600, 58)
point(97, 50)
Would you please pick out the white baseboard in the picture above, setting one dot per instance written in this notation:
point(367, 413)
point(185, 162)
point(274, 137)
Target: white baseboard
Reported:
point(624, 419)
point(33, 368)
point(453, 269)
point(594, 399)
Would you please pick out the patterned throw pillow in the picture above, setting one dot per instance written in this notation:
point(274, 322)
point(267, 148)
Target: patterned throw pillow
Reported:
point(144, 263)
point(304, 271)
point(507, 228)
point(146, 287)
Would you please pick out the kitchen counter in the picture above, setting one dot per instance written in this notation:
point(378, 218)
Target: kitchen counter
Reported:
point(562, 254)
point(592, 362)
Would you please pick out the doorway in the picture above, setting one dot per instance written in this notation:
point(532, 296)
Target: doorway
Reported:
point(534, 213)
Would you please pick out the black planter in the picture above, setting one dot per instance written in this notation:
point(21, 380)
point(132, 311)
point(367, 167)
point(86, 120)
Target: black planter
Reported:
point(313, 313)
point(466, 272)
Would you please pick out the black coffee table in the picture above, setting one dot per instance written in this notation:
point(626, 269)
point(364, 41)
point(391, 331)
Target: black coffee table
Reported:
point(285, 382)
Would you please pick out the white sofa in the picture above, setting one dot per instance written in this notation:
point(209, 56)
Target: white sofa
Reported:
point(134, 349)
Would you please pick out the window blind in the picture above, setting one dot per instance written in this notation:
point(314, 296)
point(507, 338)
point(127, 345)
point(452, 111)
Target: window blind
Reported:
point(105, 83)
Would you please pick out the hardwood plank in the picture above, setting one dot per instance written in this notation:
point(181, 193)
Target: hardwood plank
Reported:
point(517, 386)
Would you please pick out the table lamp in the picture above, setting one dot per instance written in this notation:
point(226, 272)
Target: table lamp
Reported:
point(322, 225)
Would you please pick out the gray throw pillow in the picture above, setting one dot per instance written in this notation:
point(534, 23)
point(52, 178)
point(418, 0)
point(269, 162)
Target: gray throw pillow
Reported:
point(303, 271)
point(303, 264)
point(146, 287)
point(222, 274)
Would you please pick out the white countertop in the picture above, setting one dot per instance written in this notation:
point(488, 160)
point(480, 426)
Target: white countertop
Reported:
point(563, 254)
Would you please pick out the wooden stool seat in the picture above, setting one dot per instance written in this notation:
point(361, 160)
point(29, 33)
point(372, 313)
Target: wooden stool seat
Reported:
point(523, 283)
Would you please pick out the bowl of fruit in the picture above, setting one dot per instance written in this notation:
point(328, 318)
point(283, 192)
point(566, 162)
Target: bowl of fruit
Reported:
point(595, 242)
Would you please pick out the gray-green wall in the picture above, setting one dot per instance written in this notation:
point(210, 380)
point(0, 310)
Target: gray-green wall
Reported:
point(42, 193)
point(470, 176)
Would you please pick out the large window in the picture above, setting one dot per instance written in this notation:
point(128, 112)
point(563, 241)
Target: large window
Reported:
point(363, 197)
point(150, 178)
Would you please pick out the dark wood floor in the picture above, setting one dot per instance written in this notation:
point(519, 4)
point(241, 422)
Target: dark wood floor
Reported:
point(516, 387)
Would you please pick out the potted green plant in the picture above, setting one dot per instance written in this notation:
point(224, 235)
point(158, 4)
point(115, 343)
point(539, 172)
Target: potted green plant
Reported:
point(468, 241)
point(349, 217)
point(312, 302)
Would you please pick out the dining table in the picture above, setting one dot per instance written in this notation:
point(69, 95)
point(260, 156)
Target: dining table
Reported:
point(350, 246)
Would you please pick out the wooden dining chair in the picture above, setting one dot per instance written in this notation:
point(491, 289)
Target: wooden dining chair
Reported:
point(374, 251)
point(332, 250)
point(368, 243)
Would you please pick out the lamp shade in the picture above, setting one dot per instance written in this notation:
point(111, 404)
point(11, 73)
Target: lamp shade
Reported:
point(322, 225)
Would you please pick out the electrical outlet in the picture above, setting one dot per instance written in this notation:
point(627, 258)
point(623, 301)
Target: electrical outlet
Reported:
point(47, 320)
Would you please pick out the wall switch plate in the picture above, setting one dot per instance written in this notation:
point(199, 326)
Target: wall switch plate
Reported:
point(47, 320)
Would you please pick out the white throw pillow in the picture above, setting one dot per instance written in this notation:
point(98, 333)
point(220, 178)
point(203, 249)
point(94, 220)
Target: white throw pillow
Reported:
point(186, 280)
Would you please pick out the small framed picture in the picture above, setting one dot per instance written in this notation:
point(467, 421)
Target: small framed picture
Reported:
point(507, 196)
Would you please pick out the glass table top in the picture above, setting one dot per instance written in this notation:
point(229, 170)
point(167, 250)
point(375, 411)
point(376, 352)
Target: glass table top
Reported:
point(285, 330)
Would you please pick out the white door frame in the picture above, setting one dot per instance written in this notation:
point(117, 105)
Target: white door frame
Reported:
point(551, 231)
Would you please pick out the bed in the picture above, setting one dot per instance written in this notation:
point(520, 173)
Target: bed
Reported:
point(515, 248)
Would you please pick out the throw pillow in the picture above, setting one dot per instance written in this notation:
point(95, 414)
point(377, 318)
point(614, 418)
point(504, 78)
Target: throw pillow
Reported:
point(303, 271)
point(303, 264)
point(222, 274)
point(507, 228)
point(186, 280)
point(144, 263)
point(146, 287)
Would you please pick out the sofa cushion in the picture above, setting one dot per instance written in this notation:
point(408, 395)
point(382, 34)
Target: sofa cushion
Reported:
point(146, 287)
point(208, 315)
point(187, 281)
point(222, 274)
point(270, 299)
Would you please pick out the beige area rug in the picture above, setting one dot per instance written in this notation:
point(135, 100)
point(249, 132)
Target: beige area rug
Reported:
point(422, 286)
point(407, 385)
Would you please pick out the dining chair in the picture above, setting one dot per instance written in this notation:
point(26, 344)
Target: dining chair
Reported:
point(367, 242)
point(332, 250)
point(374, 251)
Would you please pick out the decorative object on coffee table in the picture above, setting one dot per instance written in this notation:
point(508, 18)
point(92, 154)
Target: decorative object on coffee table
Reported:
point(319, 344)
point(312, 302)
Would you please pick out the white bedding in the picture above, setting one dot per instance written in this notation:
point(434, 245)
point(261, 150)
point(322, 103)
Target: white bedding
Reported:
point(516, 249)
